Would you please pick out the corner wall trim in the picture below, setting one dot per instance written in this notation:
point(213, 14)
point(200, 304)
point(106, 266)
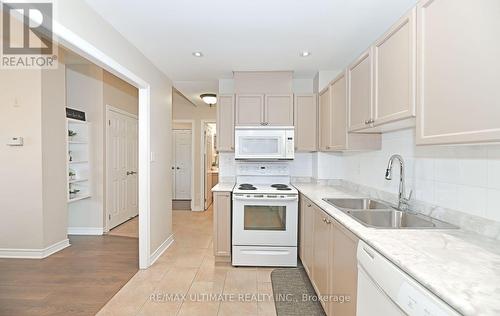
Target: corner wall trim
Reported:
point(85, 231)
point(34, 253)
point(158, 252)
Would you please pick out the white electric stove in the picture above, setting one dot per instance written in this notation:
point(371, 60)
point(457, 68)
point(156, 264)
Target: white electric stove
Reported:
point(265, 216)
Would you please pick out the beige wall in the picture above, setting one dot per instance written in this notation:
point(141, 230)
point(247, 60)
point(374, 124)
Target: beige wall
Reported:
point(185, 110)
point(55, 214)
point(120, 94)
point(33, 177)
point(21, 167)
point(75, 15)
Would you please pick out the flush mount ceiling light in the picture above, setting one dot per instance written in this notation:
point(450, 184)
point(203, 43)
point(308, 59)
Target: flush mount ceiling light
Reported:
point(305, 54)
point(209, 98)
point(197, 54)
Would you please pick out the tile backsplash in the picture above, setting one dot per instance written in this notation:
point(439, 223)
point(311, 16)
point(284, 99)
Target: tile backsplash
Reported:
point(464, 178)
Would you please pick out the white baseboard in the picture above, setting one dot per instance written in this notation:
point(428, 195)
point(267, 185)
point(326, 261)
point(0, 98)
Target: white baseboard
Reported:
point(34, 253)
point(85, 231)
point(158, 252)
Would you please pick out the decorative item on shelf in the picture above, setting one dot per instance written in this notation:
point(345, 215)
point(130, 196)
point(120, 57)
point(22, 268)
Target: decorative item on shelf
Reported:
point(73, 192)
point(75, 114)
point(70, 156)
point(71, 134)
point(72, 174)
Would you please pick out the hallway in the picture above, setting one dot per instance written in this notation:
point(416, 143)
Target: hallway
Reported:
point(187, 270)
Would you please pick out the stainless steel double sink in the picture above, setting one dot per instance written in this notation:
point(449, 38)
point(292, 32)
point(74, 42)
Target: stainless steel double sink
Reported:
point(377, 214)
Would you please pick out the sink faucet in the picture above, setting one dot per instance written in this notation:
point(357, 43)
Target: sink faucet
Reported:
point(402, 199)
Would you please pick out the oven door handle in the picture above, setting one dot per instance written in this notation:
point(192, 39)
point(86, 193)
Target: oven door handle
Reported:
point(264, 198)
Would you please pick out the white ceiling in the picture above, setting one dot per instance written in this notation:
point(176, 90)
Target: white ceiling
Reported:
point(250, 34)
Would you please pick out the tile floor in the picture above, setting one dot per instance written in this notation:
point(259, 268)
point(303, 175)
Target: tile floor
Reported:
point(187, 268)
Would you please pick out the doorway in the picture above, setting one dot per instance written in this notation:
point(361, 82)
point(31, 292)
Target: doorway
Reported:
point(121, 166)
point(210, 161)
point(182, 166)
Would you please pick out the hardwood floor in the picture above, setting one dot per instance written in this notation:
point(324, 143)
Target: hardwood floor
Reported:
point(78, 280)
point(128, 229)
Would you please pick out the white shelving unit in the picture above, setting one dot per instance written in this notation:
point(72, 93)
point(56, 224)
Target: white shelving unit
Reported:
point(78, 164)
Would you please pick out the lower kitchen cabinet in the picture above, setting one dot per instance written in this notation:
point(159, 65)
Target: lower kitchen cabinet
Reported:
point(222, 226)
point(322, 254)
point(306, 233)
point(344, 271)
point(328, 253)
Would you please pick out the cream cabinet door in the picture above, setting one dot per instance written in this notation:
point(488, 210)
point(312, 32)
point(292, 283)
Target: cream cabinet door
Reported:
point(278, 110)
point(249, 109)
point(394, 72)
point(324, 127)
point(306, 122)
point(306, 234)
point(344, 277)
point(339, 113)
point(222, 226)
point(225, 123)
point(321, 253)
point(360, 92)
point(458, 67)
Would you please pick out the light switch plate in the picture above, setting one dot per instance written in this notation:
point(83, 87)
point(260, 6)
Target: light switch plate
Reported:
point(15, 141)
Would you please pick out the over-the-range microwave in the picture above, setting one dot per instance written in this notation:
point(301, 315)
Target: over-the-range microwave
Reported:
point(264, 142)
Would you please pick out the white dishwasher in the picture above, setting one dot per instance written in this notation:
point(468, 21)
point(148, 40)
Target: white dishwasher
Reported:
point(384, 289)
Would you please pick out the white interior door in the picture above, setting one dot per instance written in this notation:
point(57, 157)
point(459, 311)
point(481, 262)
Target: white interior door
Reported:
point(132, 167)
point(121, 168)
point(182, 164)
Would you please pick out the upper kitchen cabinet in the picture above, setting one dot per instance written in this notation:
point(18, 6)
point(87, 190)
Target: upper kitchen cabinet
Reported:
point(306, 116)
point(324, 126)
point(458, 67)
point(340, 138)
point(278, 110)
point(360, 87)
point(264, 110)
point(394, 76)
point(225, 123)
point(249, 109)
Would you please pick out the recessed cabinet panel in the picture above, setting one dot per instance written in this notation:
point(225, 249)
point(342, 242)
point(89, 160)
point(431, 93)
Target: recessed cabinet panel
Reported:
point(360, 92)
point(324, 120)
point(222, 226)
point(225, 123)
point(279, 110)
point(344, 270)
point(339, 113)
point(305, 116)
point(458, 69)
point(394, 58)
point(321, 252)
point(306, 233)
point(249, 109)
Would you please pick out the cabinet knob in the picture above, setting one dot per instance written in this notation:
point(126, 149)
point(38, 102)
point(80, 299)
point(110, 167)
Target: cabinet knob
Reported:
point(308, 205)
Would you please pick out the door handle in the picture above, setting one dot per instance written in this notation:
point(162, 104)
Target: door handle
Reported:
point(177, 168)
point(128, 173)
point(133, 172)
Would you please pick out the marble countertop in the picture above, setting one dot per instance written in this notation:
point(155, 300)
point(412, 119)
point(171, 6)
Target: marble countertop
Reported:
point(223, 187)
point(460, 267)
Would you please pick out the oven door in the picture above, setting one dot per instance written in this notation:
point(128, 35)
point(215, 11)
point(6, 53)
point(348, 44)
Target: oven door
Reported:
point(264, 221)
point(260, 144)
